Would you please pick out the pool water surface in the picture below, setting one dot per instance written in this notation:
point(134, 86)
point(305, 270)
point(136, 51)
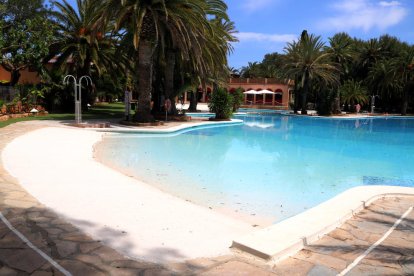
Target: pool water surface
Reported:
point(272, 166)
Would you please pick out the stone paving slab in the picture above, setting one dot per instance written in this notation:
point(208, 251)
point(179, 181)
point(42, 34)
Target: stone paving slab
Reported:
point(81, 255)
point(335, 251)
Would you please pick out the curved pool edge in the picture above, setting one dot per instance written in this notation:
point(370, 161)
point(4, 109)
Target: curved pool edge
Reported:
point(351, 116)
point(203, 233)
point(282, 240)
point(169, 130)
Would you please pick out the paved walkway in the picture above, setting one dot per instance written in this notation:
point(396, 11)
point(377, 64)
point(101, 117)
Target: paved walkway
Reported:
point(337, 250)
point(78, 254)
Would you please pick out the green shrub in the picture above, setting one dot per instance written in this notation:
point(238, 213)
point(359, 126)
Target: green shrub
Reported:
point(325, 102)
point(221, 104)
point(238, 98)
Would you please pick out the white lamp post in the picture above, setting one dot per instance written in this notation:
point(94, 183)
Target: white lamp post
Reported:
point(78, 93)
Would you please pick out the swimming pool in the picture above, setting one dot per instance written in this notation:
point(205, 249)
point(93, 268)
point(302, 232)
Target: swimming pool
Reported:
point(272, 166)
point(240, 112)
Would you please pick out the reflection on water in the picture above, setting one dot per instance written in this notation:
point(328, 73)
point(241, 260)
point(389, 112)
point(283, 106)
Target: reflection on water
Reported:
point(271, 166)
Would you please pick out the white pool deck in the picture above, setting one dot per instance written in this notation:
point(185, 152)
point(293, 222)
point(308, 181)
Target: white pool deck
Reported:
point(56, 165)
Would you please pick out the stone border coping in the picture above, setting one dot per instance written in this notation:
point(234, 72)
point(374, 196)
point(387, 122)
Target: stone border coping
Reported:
point(6, 117)
point(352, 116)
point(173, 129)
point(91, 125)
point(284, 239)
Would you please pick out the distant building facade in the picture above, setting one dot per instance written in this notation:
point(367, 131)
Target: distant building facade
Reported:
point(26, 76)
point(280, 97)
point(281, 91)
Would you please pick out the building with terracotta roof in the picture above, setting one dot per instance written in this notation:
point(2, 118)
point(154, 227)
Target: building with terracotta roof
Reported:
point(278, 96)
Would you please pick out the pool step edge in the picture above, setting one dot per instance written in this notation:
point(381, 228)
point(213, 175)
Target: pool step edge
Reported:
point(282, 240)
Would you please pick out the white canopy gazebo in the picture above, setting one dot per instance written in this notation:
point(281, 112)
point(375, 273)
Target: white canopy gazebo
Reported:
point(262, 92)
point(265, 92)
point(251, 92)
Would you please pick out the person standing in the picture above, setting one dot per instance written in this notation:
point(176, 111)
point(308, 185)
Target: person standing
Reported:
point(357, 107)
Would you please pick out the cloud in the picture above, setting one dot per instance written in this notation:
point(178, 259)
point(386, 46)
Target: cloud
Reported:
point(365, 15)
point(260, 37)
point(256, 5)
point(389, 4)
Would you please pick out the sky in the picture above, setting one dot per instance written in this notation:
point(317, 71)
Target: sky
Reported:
point(265, 26)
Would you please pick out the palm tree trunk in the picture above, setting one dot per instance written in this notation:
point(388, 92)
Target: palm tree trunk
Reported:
point(404, 105)
point(144, 71)
point(304, 95)
point(193, 101)
point(297, 97)
point(407, 92)
point(337, 103)
point(169, 81)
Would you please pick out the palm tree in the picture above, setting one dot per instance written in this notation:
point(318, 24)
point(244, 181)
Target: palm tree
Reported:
point(234, 72)
point(82, 45)
point(160, 23)
point(308, 62)
point(353, 92)
point(210, 65)
point(83, 41)
point(341, 51)
point(406, 73)
point(383, 79)
point(217, 47)
point(368, 53)
point(252, 70)
point(292, 55)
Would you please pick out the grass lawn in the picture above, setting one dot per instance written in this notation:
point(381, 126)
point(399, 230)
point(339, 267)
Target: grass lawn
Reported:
point(98, 111)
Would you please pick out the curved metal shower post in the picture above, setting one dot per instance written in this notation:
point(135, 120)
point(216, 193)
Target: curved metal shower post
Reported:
point(66, 79)
point(373, 102)
point(88, 82)
point(78, 93)
point(87, 78)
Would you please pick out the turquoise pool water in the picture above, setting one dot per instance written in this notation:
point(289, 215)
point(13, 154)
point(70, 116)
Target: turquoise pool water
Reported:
point(272, 166)
point(241, 110)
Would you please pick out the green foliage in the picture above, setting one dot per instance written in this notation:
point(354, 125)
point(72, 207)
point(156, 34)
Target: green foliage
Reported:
point(270, 67)
point(383, 65)
point(325, 101)
point(29, 95)
point(353, 92)
point(238, 98)
point(221, 104)
point(109, 89)
point(27, 34)
point(383, 79)
point(57, 96)
point(307, 61)
point(83, 37)
point(252, 70)
point(195, 34)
